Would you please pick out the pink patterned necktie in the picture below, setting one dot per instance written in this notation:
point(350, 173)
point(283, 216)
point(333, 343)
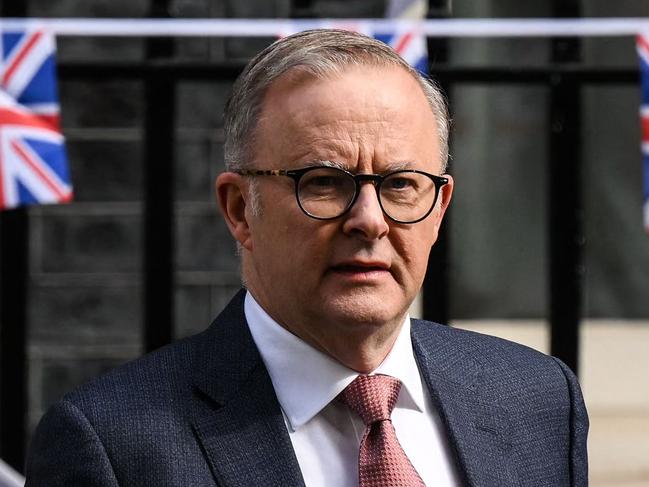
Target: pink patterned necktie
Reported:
point(381, 462)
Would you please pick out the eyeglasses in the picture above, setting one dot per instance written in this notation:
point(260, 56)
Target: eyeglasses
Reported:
point(325, 192)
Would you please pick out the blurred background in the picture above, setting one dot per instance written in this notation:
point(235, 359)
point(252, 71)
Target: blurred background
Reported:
point(97, 288)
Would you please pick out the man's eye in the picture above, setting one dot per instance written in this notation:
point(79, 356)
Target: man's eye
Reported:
point(400, 183)
point(324, 181)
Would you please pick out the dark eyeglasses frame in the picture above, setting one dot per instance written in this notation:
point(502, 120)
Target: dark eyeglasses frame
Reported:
point(376, 179)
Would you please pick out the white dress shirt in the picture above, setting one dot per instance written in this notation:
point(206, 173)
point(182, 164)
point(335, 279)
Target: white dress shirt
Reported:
point(325, 434)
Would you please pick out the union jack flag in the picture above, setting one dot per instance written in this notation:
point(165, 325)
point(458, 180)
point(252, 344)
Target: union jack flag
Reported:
point(33, 163)
point(411, 46)
point(643, 52)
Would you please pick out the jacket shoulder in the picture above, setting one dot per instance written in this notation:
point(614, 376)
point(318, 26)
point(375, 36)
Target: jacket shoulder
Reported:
point(533, 399)
point(503, 371)
point(489, 350)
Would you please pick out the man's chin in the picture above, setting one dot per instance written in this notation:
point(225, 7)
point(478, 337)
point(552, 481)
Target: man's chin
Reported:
point(362, 309)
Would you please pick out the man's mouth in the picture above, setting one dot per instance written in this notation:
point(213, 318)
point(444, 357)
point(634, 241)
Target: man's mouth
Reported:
point(361, 268)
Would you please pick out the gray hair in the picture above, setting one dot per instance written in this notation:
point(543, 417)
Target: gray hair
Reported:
point(320, 53)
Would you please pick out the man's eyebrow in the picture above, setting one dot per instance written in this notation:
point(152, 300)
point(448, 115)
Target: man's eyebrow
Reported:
point(326, 162)
point(390, 167)
point(398, 166)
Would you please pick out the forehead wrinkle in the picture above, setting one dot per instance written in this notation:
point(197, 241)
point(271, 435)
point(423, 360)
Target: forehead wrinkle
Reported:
point(350, 140)
point(324, 148)
point(346, 154)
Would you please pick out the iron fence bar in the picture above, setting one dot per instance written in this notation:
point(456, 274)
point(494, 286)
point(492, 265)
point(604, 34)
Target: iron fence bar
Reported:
point(436, 290)
point(14, 278)
point(159, 224)
point(14, 231)
point(537, 75)
point(228, 71)
point(564, 199)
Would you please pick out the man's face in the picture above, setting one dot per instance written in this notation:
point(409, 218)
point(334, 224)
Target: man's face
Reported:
point(351, 280)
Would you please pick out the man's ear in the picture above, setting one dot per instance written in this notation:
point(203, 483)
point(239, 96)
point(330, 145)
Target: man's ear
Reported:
point(231, 196)
point(445, 194)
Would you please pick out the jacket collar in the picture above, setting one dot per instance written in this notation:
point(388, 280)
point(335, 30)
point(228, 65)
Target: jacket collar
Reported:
point(478, 429)
point(236, 415)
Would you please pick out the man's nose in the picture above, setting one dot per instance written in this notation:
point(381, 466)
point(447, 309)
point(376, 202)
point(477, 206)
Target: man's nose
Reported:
point(365, 218)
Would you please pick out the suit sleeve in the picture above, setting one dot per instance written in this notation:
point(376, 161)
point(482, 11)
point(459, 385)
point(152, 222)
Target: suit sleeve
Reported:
point(66, 451)
point(578, 430)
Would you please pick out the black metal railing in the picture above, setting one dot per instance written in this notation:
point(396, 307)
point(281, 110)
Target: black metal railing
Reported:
point(565, 78)
point(14, 272)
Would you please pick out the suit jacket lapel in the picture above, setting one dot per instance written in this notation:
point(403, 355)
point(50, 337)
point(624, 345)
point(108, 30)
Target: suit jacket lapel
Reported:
point(236, 415)
point(478, 428)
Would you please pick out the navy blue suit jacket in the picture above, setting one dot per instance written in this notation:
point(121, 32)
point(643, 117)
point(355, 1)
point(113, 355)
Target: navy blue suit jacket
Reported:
point(203, 412)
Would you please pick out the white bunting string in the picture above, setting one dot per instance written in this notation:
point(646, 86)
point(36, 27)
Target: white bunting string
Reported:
point(93, 27)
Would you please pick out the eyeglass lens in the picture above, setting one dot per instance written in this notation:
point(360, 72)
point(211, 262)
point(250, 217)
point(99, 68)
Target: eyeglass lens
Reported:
point(328, 192)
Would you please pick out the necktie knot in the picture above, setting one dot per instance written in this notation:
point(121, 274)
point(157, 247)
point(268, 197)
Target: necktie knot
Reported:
point(372, 397)
point(381, 460)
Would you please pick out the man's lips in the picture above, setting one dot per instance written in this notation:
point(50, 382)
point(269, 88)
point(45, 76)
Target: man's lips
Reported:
point(360, 267)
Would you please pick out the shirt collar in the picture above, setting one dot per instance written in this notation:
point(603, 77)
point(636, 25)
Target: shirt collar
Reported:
point(306, 380)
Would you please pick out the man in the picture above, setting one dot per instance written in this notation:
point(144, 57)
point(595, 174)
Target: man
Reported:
point(315, 375)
